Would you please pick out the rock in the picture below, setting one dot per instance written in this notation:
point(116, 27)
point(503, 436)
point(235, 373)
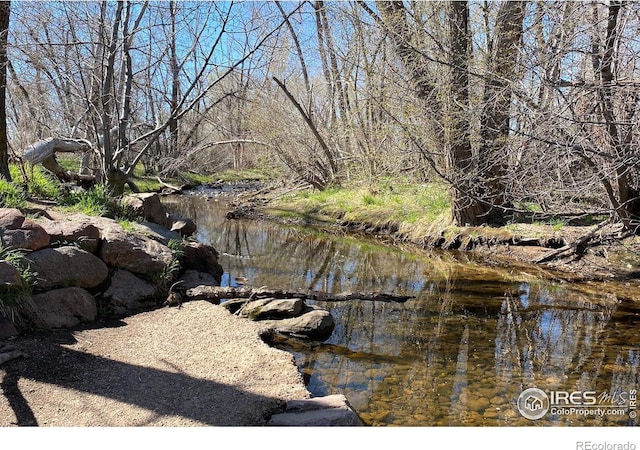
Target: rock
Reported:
point(82, 232)
point(202, 258)
point(271, 308)
point(315, 324)
point(7, 329)
point(10, 219)
point(138, 254)
point(10, 277)
point(61, 308)
point(30, 236)
point(192, 278)
point(185, 227)
point(67, 266)
point(129, 293)
point(332, 410)
point(157, 232)
point(149, 207)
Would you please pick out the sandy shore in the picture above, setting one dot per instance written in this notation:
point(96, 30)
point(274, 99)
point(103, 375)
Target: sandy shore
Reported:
point(191, 366)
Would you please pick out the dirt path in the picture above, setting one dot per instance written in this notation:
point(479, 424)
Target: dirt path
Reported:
point(191, 366)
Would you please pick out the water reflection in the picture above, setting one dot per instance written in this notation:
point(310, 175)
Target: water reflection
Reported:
point(461, 352)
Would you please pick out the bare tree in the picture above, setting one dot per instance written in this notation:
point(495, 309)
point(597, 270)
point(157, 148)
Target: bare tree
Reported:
point(5, 9)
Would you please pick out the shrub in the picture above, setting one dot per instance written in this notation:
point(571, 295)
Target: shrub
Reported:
point(12, 299)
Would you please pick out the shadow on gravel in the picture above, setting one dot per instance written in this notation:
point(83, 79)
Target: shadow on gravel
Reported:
point(162, 392)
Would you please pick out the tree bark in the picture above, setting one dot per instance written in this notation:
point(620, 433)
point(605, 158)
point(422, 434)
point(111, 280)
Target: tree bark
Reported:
point(464, 208)
point(44, 152)
point(5, 9)
point(217, 293)
point(507, 38)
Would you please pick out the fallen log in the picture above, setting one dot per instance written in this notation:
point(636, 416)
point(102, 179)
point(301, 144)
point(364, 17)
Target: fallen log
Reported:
point(44, 152)
point(573, 246)
point(217, 293)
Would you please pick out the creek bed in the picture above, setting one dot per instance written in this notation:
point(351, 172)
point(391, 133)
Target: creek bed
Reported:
point(460, 353)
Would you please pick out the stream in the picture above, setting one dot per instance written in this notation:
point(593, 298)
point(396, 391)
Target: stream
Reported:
point(463, 350)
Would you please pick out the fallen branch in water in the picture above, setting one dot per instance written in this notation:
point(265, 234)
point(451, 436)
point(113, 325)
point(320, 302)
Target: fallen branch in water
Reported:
point(217, 293)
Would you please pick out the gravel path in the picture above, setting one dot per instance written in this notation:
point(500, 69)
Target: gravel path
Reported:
point(191, 366)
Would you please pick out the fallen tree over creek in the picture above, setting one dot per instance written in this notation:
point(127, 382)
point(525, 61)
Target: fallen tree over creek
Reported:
point(217, 293)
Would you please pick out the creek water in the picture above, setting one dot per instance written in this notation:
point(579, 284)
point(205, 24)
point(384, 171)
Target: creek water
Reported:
point(463, 350)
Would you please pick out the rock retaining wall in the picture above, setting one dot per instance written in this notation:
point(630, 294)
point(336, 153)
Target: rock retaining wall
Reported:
point(81, 264)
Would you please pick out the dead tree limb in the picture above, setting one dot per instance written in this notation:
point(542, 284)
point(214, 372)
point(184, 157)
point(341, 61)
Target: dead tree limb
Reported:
point(217, 293)
point(44, 152)
point(573, 246)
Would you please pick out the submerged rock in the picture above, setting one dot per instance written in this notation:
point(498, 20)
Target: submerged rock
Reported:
point(332, 410)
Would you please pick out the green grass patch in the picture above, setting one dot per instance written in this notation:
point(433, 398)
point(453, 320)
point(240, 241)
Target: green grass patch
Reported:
point(40, 182)
point(93, 202)
point(11, 195)
point(384, 203)
point(13, 298)
point(127, 225)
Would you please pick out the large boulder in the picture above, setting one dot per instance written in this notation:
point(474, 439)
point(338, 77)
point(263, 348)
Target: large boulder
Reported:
point(133, 252)
point(332, 410)
point(30, 236)
point(202, 258)
point(128, 293)
point(81, 232)
point(149, 206)
point(67, 266)
point(11, 219)
point(61, 308)
point(314, 324)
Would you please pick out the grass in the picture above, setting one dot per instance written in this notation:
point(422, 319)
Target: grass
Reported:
point(387, 203)
point(11, 195)
point(39, 183)
point(12, 299)
point(93, 202)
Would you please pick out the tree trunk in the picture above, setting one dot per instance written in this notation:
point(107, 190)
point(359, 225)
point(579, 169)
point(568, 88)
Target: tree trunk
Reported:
point(217, 293)
point(507, 38)
point(175, 83)
point(605, 62)
point(5, 9)
point(465, 208)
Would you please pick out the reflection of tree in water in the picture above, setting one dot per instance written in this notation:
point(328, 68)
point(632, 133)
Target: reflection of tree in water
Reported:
point(460, 353)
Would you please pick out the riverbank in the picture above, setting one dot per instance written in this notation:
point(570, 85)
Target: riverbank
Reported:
point(570, 248)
